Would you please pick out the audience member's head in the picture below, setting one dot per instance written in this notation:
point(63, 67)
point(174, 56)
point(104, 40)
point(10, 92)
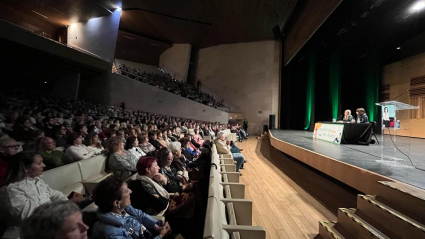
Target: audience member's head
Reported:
point(8, 147)
point(92, 139)
point(57, 220)
point(115, 144)
point(175, 148)
point(131, 142)
point(112, 193)
point(74, 139)
point(147, 166)
point(184, 141)
point(165, 157)
point(47, 144)
point(29, 164)
point(221, 135)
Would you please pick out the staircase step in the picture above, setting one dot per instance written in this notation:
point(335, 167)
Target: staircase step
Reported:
point(327, 231)
point(387, 220)
point(358, 227)
point(403, 198)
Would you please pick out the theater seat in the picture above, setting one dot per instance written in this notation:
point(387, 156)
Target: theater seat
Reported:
point(66, 179)
point(214, 230)
point(93, 171)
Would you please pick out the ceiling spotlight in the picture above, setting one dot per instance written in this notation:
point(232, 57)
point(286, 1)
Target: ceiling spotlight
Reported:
point(398, 48)
point(118, 9)
point(419, 6)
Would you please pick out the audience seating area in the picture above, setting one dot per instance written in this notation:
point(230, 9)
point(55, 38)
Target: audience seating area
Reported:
point(229, 214)
point(171, 85)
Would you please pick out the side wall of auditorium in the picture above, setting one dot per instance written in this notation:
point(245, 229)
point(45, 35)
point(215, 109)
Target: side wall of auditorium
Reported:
point(140, 96)
point(246, 75)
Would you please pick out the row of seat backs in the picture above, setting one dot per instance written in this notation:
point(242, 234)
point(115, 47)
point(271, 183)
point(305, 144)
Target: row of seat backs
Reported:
point(232, 211)
point(68, 178)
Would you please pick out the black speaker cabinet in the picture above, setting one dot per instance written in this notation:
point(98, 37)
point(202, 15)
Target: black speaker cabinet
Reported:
point(272, 119)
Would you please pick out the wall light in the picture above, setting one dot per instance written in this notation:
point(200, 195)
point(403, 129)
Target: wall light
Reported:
point(398, 48)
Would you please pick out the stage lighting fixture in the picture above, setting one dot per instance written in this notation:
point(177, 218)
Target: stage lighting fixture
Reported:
point(418, 6)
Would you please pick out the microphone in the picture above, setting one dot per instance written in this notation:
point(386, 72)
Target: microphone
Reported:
point(401, 94)
point(339, 117)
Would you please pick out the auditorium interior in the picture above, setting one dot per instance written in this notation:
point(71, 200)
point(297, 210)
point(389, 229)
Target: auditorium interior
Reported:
point(212, 119)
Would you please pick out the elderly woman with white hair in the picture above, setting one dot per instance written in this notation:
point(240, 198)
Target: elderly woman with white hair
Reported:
point(223, 147)
point(179, 160)
point(58, 220)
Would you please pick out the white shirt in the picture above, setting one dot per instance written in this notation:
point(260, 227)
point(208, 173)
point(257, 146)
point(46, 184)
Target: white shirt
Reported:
point(96, 149)
point(136, 151)
point(23, 197)
point(76, 153)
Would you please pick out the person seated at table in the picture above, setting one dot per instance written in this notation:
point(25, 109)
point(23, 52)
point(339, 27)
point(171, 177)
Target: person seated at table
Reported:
point(361, 116)
point(348, 118)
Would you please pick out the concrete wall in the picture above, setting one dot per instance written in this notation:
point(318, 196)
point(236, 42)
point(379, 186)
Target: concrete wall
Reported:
point(98, 35)
point(175, 61)
point(142, 67)
point(246, 75)
point(141, 96)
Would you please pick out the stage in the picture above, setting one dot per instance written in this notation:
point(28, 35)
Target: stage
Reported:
point(358, 166)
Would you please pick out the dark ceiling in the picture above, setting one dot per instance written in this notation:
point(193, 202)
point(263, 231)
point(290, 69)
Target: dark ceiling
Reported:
point(159, 24)
point(369, 25)
point(205, 23)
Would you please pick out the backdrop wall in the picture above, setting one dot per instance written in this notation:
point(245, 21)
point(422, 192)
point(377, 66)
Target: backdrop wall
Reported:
point(246, 75)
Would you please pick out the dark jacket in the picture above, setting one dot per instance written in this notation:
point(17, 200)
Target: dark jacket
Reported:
point(362, 119)
point(144, 197)
point(173, 184)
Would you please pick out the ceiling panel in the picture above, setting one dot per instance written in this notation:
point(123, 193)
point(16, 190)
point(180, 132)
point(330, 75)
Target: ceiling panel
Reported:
point(60, 13)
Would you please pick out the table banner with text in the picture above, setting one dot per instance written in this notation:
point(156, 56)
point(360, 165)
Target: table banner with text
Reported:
point(331, 133)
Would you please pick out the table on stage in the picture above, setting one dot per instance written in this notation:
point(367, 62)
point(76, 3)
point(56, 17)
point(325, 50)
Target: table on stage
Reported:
point(354, 133)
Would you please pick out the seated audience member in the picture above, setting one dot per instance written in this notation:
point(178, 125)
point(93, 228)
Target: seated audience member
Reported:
point(51, 158)
point(197, 137)
point(179, 160)
point(176, 182)
point(49, 127)
point(109, 134)
point(148, 195)
point(162, 140)
point(144, 144)
point(116, 215)
point(8, 148)
point(171, 136)
point(187, 151)
point(25, 190)
point(57, 220)
point(153, 136)
point(132, 145)
point(223, 147)
point(92, 142)
point(119, 158)
point(82, 130)
point(23, 130)
point(77, 151)
point(192, 142)
point(361, 116)
point(60, 136)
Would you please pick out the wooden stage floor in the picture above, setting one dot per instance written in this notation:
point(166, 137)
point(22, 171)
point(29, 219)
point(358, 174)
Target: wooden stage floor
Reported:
point(373, 162)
